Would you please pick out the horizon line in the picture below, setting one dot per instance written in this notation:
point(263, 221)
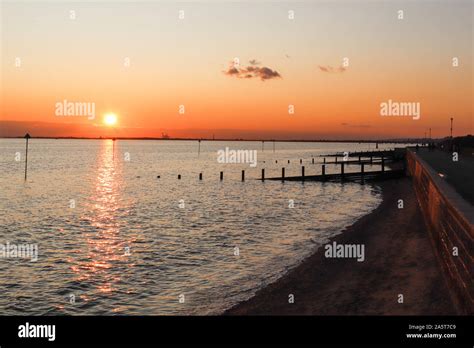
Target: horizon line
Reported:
point(389, 140)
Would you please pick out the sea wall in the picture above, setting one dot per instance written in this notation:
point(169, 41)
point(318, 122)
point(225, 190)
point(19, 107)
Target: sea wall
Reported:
point(450, 223)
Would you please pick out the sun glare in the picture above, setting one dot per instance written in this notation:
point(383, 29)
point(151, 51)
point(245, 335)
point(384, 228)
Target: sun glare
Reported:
point(110, 119)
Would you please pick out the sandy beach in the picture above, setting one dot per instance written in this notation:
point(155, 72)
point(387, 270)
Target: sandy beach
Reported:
point(399, 259)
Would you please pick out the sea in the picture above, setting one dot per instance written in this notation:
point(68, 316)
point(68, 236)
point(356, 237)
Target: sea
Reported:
point(117, 233)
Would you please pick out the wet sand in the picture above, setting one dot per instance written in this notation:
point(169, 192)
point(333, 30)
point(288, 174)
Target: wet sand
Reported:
point(398, 260)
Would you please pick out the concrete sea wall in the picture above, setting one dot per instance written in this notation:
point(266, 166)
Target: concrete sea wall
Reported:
point(450, 221)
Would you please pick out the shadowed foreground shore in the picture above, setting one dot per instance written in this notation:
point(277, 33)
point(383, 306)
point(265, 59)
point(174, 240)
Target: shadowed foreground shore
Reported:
point(398, 260)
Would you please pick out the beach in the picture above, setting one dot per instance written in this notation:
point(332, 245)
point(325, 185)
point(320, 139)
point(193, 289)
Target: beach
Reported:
point(399, 259)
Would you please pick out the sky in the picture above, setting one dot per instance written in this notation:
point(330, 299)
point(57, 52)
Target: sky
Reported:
point(333, 63)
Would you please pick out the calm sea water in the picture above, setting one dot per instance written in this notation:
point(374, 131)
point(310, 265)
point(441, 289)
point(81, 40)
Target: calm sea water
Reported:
point(122, 241)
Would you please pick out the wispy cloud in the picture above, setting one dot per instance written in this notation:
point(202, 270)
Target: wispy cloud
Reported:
point(330, 69)
point(252, 71)
point(355, 125)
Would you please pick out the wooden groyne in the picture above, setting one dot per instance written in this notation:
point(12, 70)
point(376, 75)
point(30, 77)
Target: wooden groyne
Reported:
point(392, 171)
point(378, 153)
point(359, 176)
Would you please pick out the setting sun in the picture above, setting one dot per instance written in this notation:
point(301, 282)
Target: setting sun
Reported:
point(110, 119)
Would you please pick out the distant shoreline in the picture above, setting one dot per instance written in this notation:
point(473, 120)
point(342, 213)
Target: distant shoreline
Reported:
point(383, 141)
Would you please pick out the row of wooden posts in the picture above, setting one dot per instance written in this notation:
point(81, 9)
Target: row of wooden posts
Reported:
point(344, 161)
point(323, 172)
point(323, 169)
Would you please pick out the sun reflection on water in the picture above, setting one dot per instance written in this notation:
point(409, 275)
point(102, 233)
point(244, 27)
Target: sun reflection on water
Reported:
point(105, 247)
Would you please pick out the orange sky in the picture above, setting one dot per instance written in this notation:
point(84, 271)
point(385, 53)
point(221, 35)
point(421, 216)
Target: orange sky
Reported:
point(177, 62)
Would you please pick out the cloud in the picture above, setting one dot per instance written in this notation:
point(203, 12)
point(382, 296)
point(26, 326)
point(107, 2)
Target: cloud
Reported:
point(232, 71)
point(330, 69)
point(266, 73)
point(252, 71)
point(355, 125)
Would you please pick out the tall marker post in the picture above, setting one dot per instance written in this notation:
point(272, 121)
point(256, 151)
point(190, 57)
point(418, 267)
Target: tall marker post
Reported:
point(27, 136)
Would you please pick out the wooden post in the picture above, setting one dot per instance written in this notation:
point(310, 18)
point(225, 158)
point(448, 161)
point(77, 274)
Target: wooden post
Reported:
point(263, 174)
point(222, 176)
point(383, 164)
point(323, 168)
point(324, 160)
point(301, 161)
point(179, 176)
point(200, 176)
point(283, 174)
point(359, 159)
point(302, 172)
point(362, 173)
point(342, 171)
point(27, 136)
point(370, 159)
point(312, 160)
point(336, 159)
point(243, 175)
point(288, 161)
point(199, 146)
